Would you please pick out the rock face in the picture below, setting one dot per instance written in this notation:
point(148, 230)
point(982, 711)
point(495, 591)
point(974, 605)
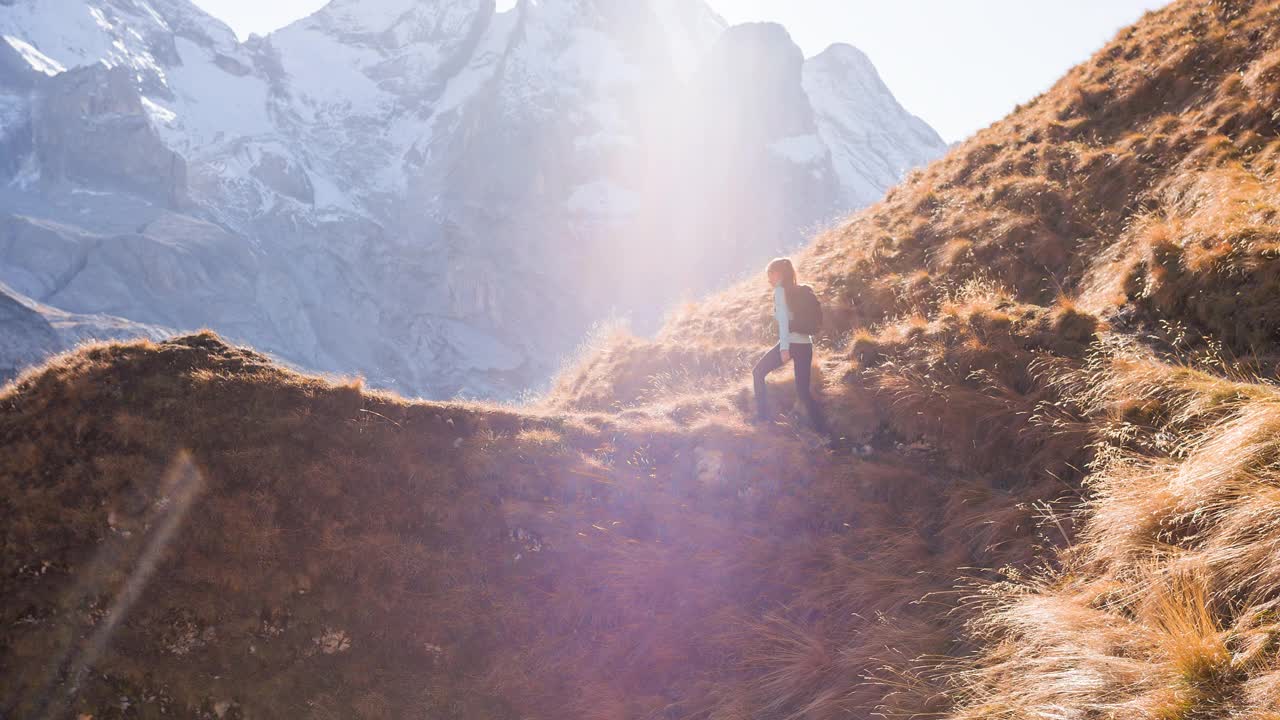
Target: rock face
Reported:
point(32, 331)
point(872, 139)
point(90, 130)
point(434, 194)
point(764, 177)
point(28, 337)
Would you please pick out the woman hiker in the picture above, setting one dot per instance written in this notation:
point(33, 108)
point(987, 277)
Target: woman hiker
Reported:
point(799, 316)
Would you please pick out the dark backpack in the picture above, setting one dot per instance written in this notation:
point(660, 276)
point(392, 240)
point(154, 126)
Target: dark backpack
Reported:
point(806, 310)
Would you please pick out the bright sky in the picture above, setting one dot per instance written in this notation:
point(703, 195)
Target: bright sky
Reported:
point(959, 64)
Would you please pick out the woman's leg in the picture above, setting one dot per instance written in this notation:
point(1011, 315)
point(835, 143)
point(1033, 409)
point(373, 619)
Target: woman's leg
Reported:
point(802, 356)
point(771, 361)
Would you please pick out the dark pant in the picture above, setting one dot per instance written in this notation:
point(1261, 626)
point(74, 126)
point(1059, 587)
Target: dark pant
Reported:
point(802, 358)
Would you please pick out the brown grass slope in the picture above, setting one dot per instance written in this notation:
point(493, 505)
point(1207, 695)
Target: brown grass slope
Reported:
point(350, 554)
point(194, 531)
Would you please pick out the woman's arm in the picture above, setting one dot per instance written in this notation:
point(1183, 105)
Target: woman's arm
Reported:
point(783, 314)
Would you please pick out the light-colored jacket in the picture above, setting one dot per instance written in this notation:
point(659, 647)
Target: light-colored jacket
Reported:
point(786, 338)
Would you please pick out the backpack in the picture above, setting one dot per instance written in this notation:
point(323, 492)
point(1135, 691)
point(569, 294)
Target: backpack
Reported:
point(806, 310)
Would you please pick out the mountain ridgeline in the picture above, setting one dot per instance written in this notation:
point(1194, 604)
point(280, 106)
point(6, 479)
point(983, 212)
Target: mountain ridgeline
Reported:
point(1052, 352)
point(433, 194)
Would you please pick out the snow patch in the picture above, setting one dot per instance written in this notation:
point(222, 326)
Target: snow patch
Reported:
point(74, 32)
point(146, 7)
point(328, 75)
point(158, 112)
point(36, 59)
point(214, 104)
point(100, 18)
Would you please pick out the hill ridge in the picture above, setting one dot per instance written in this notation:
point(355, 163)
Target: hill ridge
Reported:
point(538, 497)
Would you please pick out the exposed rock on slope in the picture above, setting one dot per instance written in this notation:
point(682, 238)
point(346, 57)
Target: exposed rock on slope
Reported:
point(90, 129)
point(29, 337)
point(36, 332)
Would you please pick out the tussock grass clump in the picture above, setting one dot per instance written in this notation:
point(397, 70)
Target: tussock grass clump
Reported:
point(627, 372)
point(978, 381)
point(1170, 592)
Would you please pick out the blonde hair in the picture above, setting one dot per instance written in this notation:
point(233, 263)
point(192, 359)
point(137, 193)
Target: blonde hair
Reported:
point(785, 270)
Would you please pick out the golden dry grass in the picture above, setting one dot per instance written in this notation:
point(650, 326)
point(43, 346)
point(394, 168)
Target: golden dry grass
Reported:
point(1165, 607)
point(456, 560)
point(1052, 351)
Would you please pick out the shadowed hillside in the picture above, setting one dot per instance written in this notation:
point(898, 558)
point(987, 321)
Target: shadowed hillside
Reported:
point(442, 560)
point(1052, 352)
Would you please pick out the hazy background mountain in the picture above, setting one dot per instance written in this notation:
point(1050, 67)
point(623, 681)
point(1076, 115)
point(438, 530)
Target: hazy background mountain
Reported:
point(436, 195)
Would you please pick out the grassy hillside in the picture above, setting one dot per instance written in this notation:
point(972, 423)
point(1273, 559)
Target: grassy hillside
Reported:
point(1053, 352)
point(352, 554)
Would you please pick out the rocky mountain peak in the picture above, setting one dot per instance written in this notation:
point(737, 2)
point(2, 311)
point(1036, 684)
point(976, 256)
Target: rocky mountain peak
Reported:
point(384, 180)
point(752, 78)
point(853, 65)
point(848, 72)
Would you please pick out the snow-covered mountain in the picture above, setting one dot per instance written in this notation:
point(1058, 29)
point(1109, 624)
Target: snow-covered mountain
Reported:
point(435, 194)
